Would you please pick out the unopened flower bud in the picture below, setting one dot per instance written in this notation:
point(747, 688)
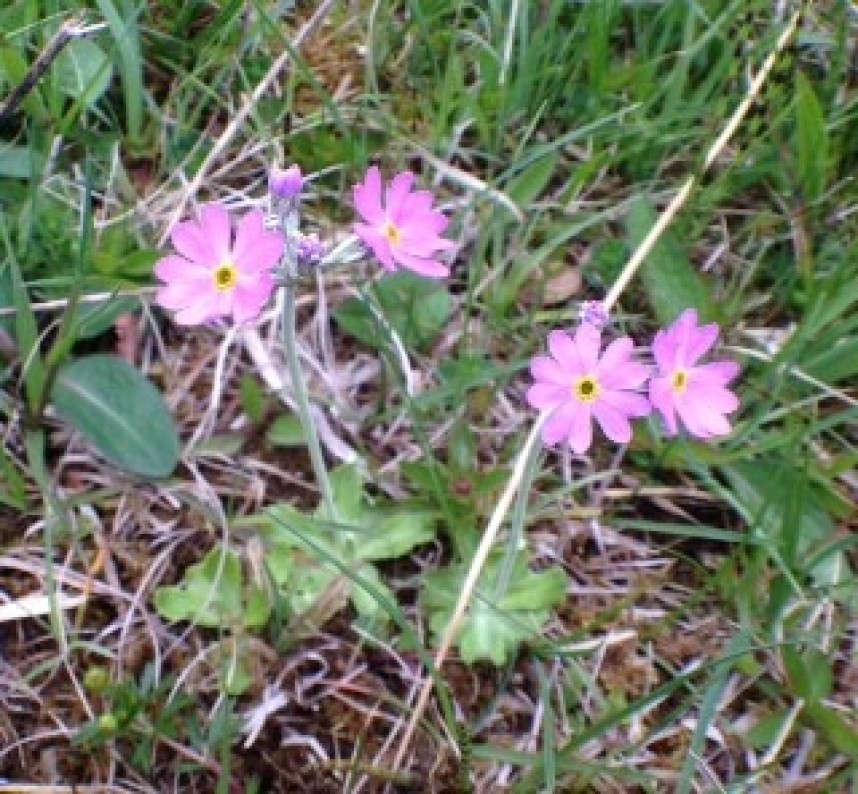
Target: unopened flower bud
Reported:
point(593, 313)
point(309, 250)
point(285, 183)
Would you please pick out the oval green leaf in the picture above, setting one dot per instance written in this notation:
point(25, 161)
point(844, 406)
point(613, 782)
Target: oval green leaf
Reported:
point(119, 412)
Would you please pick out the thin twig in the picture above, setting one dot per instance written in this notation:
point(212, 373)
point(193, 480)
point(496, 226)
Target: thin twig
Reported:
point(71, 29)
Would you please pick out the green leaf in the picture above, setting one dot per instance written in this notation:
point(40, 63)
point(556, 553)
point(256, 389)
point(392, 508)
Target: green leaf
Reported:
point(671, 283)
point(94, 319)
point(307, 553)
point(347, 487)
point(14, 67)
point(810, 674)
point(811, 140)
point(526, 186)
point(766, 732)
point(119, 412)
point(7, 298)
point(253, 399)
point(394, 532)
point(27, 337)
point(126, 33)
point(212, 594)
point(841, 736)
point(286, 431)
point(236, 676)
point(790, 510)
point(366, 603)
point(780, 501)
point(416, 308)
point(833, 362)
point(20, 162)
point(493, 630)
point(83, 70)
point(13, 487)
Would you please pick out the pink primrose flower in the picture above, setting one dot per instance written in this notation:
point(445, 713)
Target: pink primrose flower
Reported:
point(403, 230)
point(696, 394)
point(215, 273)
point(575, 385)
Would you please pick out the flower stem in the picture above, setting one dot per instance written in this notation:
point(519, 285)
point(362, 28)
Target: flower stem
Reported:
point(299, 391)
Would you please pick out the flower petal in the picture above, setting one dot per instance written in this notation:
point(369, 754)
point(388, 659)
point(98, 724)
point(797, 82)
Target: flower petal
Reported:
point(615, 425)
point(700, 420)
point(588, 340)
point(547, 369)
point(581, 430)
point(183, 292)
point(665, 350)
point(629, 403)
point(662, 397)
point(547, 395)
point(205, 306)
point(376, 241)
point(700, 342)
point(557, 426)
point(717, 372)
point(616, 355)
point(177, 268)
point(631, 375)
point(191, 241)
point(249, 298)
point(423, 266)
point(563, 348)
point(367, 197)
point(216, 226)
point(424, 244)
point(395, 195)
point(715, 398)
point(255, 249)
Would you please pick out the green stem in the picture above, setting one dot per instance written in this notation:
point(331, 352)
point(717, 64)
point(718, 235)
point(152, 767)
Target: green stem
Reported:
point(300, 392)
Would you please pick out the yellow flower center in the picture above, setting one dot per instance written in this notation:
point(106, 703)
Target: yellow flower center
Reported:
point(586, 389)
point(225, 276)
point(679, 381)
point(393, 235)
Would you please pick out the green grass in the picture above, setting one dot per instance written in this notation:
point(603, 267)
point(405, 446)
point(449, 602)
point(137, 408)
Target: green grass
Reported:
point(707, 636)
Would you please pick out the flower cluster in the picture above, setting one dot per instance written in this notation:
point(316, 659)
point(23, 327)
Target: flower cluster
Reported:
point(221, 269)
point(217, 273)
point(576, 384)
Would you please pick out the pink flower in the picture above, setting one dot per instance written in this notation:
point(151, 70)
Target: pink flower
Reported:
point(576, 385)
point(402, 231)
point(698, 394)
point(215, 274)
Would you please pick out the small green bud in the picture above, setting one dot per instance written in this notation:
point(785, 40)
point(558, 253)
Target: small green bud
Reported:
point(97, 679)
point(107, 723)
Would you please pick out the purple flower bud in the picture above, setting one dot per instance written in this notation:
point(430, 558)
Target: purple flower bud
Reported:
point(285, 183)
point(593, 313)
point(309, 249)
